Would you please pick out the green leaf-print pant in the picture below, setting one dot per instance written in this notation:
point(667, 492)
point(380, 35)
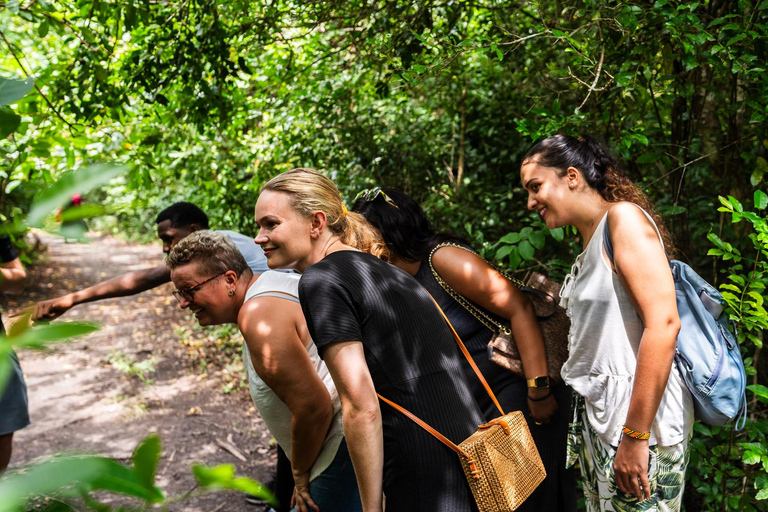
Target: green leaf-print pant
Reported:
point(666, 469)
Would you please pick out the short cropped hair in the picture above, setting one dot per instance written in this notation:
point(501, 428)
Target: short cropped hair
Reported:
point(182, 215)
point(214, 252)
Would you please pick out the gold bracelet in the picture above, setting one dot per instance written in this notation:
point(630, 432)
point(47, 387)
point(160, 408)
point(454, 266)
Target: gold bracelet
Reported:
point(642, 436)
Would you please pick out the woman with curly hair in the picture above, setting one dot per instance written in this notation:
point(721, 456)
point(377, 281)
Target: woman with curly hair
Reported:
point(633, 415)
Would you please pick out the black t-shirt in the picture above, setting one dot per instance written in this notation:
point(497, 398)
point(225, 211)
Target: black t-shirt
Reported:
point(7, 254)
point(413, 360)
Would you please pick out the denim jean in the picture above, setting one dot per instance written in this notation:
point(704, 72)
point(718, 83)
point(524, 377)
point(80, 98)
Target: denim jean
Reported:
point(335, 489)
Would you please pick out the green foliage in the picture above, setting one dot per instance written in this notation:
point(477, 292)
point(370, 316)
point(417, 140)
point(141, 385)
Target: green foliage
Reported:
point(37, 338)
point(223, 477)
point(728, 469)
point(70, 480)
point(132, 368)
point(206, 101)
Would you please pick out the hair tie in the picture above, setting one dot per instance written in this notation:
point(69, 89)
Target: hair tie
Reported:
point(344, 210)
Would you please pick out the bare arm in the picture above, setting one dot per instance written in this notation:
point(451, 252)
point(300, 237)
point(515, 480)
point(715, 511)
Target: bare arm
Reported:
point(473, 278)
point(275, 332)
point(120, 286)
point(633, 234)
point(12, 276)
point(362, 418)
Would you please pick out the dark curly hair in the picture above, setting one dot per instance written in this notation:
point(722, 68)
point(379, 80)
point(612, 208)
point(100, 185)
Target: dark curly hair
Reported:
point(600, 170)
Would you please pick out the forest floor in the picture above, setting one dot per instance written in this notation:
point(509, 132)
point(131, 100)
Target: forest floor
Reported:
point(88, 395)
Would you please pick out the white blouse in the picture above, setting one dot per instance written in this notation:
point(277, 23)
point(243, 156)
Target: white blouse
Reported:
point(603, 343)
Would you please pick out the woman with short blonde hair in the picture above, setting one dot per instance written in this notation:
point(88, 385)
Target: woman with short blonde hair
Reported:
point(290, 385)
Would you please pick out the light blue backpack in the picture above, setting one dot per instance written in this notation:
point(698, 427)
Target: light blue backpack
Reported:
point(707, 355)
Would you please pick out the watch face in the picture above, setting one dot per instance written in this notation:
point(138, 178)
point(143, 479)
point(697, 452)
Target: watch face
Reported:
point(542, 382)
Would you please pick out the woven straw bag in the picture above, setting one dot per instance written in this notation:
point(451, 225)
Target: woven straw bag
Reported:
point(553, 320)
point(500, 460)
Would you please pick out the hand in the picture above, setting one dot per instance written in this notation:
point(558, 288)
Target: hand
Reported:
point(301, 499)
point(631, 468)
point(54, 308)
point(543, 410)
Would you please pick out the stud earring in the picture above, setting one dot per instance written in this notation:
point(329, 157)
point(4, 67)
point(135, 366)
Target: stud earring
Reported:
point(231, 292)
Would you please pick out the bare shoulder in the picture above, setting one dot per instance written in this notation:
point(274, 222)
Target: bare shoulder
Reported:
point(626, 217)
point(261, 318)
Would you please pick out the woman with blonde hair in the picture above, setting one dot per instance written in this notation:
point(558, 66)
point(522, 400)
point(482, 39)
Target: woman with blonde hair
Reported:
point(633, 415)
point(379, 331)
point(290, 385)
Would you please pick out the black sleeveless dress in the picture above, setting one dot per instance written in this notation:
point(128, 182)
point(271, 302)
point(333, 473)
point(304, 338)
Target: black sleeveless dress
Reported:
point(558, 490)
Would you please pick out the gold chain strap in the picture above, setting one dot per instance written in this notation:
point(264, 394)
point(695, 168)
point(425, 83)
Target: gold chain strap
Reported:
point(478, 313)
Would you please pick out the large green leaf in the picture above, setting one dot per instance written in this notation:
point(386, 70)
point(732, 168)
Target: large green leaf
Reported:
point(761, 199)
point(79, 181)
point(9, 122)
point(12, 89)
point(145, 459)
point(39, 337)
point(65, 473)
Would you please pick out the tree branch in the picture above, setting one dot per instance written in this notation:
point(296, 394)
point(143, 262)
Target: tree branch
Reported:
point(597, 77)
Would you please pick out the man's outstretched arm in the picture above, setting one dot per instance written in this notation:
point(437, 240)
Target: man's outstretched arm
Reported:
point(120, 286)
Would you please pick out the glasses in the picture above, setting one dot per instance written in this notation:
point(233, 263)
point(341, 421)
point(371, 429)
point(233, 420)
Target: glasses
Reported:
point(368, 195)
point(189, 293)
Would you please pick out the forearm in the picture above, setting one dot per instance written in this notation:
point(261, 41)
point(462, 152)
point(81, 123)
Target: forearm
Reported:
point(529, 340)
point(654, 364)
point(308, 430)
point(363, 433)
point(121, 286)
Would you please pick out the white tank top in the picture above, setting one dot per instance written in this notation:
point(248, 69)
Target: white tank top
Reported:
point(275, 413)
point(602, 350)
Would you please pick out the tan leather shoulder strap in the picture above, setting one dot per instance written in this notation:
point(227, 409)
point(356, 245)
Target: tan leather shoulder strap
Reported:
point(440, 437)
point(469, 358)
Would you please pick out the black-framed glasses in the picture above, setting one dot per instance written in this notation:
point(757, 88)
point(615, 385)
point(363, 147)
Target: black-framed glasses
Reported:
point(371, 194)
point(189, 293)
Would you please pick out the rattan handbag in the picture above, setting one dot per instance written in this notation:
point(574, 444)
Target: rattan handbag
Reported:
point(500, 460)
point(553, 320)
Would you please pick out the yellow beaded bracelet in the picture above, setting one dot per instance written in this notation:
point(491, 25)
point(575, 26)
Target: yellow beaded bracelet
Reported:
point(634, 434)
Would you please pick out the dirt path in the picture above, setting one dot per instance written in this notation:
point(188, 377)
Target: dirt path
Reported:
point(80, 402)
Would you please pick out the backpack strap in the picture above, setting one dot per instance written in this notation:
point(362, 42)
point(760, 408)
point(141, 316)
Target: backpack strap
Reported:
point(607, 236)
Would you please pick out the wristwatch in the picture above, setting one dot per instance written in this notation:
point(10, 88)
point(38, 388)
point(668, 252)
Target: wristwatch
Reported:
point(538, 382)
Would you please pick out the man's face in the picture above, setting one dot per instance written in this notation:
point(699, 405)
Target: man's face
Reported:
point(170, 235)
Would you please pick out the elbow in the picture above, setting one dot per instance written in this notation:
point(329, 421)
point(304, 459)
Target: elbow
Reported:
point(674, 326)
point(318, 412)
point(522, 309)
point(665, 332)
point(15, 285)
point(361, 414)
point(671, 327)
